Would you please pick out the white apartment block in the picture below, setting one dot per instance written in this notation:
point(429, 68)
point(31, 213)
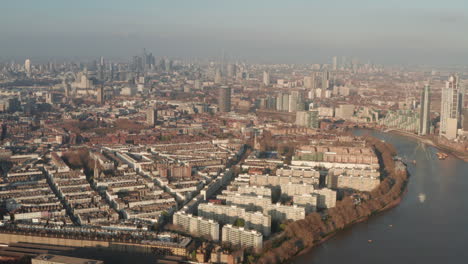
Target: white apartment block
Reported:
point(308, 201)
point(197, 225)
point(242, 237)
point(264, 180)
point(225, 214)
point(280, 212)
point(360, 183)
point(298, 172)
point(326, 198)
point(292, 189)
point(263, 191)
point(250, 202)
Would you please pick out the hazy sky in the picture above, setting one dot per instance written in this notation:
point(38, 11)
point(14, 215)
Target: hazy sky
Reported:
point(302, 31)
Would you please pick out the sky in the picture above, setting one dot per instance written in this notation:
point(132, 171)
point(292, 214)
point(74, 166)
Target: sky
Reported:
point(270, 31)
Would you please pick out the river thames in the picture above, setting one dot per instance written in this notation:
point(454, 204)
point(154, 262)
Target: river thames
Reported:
point(428, 226)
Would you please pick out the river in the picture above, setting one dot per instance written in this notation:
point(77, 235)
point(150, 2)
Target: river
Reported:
point(428, 226)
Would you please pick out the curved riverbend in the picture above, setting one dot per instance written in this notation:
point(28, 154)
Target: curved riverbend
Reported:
point(428, 226)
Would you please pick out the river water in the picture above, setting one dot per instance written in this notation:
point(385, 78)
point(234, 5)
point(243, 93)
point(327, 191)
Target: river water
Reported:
point(429, 226)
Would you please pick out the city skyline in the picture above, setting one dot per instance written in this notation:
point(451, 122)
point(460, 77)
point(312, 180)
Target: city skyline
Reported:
point(213, 131)
point(425, 32)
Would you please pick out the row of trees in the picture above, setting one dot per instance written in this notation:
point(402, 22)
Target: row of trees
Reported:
point(306, 233)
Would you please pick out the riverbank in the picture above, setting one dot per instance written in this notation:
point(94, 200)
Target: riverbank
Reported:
point(388, 207)
point(301, 236)
point(428, 141)
point(411, 231)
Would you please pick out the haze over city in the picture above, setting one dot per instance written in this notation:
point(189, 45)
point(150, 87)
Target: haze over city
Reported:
point(233, 132)
point(273, 31)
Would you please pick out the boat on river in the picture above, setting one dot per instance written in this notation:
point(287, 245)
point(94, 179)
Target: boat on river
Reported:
point(442, 155)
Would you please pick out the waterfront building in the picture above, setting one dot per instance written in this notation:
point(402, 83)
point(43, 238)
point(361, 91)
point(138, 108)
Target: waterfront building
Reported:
point(280, 213)
point(56, 259)
point(451, 107)
point(306, 200)
point(424, 117)
point(326, 198)
point(407, 120)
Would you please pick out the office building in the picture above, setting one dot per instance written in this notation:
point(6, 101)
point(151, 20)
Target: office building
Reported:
point(424, 117)
point(224, 100)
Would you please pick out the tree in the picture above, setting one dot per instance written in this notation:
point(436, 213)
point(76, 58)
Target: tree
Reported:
point(239, 222)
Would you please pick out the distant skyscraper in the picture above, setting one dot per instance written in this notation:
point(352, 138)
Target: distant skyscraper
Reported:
point(293, 101)
point(231, 70)
point(325, 80)
point(451, 107)
point(197, 85)
point(224, 100)
point(100, 95)
point(151, 116)
point(50, 98)
point(67, 90)
point(307, 119)
point(285, 100)
point(218, 77)
point(168, 65)
point(27, 67)
point(335, 63)
point(425, 118)
point(309, 82)
point(266, 78)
